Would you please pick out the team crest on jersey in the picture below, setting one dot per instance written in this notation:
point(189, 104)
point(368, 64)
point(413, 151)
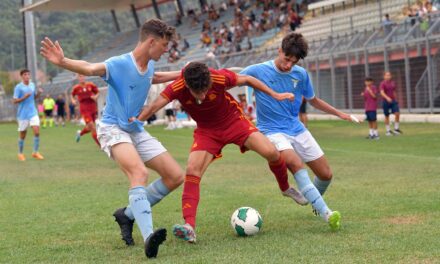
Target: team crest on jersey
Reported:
point(295, 83)
point(188, 102)
point(211, 97)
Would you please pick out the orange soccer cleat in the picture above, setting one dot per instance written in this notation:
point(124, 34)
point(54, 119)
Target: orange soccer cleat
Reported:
point(21, 157)
point(37, 155)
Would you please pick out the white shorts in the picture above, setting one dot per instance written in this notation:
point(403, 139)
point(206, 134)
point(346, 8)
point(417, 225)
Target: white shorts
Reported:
point(24, 124)
point(304, 145)
point(147, 146)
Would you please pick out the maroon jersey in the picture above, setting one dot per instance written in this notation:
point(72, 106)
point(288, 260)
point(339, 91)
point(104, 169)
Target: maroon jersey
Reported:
point(218, 110)
point(389, 87)
point(85, 93)
point(370, 101)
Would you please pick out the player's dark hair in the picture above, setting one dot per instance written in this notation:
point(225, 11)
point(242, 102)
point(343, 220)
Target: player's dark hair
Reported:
point(157, 28)
point(197, 76)
point(369, 79)
point(24, 71)
point(295, 44)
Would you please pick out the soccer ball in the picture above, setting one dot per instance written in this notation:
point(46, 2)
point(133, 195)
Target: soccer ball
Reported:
point(246, 221)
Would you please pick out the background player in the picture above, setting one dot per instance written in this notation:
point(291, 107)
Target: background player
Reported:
point(27, 115)
point(370, 99)
point(129, 77)
point(388, 92)
point(86, 93)
point(220, 121)
point(61, 110)
point(278, 120)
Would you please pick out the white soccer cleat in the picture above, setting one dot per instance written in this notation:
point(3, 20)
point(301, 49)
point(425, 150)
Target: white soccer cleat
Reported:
point(296, 196)
point(354, 119)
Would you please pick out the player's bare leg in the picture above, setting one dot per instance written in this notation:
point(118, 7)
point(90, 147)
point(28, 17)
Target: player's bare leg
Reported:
point(172, 176)
point(35, 153)
point(198, 162)
point(261, 144)
point(21, 138)
point(125, 154)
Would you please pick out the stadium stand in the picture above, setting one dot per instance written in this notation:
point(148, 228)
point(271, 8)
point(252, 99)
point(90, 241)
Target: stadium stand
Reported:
point(347, 42)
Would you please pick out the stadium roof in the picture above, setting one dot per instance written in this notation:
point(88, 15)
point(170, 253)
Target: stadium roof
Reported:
point(85, 5)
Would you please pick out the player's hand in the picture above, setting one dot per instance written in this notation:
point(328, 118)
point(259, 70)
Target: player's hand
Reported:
point(389, 101)
point(132, 119)
point(52, 51)
point(284, 96)
point(26, 95)
point(40, 90)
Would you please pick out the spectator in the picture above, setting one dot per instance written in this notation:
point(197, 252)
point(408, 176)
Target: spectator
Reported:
point(387, 25)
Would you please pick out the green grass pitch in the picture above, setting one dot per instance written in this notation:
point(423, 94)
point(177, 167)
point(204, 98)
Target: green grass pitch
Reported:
point(60, 210)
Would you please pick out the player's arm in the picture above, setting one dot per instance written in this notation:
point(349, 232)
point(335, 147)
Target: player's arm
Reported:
point(162, 77)
point(382, 93)
point(325, 107)
point(54, 53)
point(19, 100)
point(152, 108)
point(96, 93)
point(260, 86)
point(371, 93)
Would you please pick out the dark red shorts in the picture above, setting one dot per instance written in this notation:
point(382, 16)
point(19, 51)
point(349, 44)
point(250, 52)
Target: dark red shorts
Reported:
point(213, 140)
point(89, 117)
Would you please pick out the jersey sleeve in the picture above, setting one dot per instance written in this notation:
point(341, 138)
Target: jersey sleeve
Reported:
point(17, 92)
point(231, 78)
point(74, 90)
point(308, 93)
point(250, 70)
point(169, 93)
point(110, 70)
point(381, 86)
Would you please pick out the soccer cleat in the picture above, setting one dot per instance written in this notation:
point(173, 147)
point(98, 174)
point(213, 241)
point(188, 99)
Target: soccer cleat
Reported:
point(21, 157)
point(397, 131)
point(334, 221)
point(78, 136)
point(376, 137)
point(185, 232)
point(388, 133)
point(153, 242)
point(126, 226)
point(369, 137)
point(296, 196)
point(37, 156)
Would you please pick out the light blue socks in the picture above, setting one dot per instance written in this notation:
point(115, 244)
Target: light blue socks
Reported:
point(312, 194)
point(141, 210)
point(20, 145)
point(36, 144)
point(156, 191)
point(321, 185)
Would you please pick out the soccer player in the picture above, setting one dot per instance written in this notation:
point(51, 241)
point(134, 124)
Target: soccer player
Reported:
point(388, 92)
point(27, 115)
point(61, 111)
point(48, 105)
point(171, 116)
point(129, 77)
point(220, 121)
point(86, 93)
point(279, 121)
point(370, 98)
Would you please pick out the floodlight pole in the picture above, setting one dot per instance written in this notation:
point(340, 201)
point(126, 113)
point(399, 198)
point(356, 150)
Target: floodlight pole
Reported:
point(29, 35)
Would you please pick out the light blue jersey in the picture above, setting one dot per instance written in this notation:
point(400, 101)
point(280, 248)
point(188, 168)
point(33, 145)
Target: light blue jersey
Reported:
point(26, 109)
point(280, 116)
point(127, 91)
